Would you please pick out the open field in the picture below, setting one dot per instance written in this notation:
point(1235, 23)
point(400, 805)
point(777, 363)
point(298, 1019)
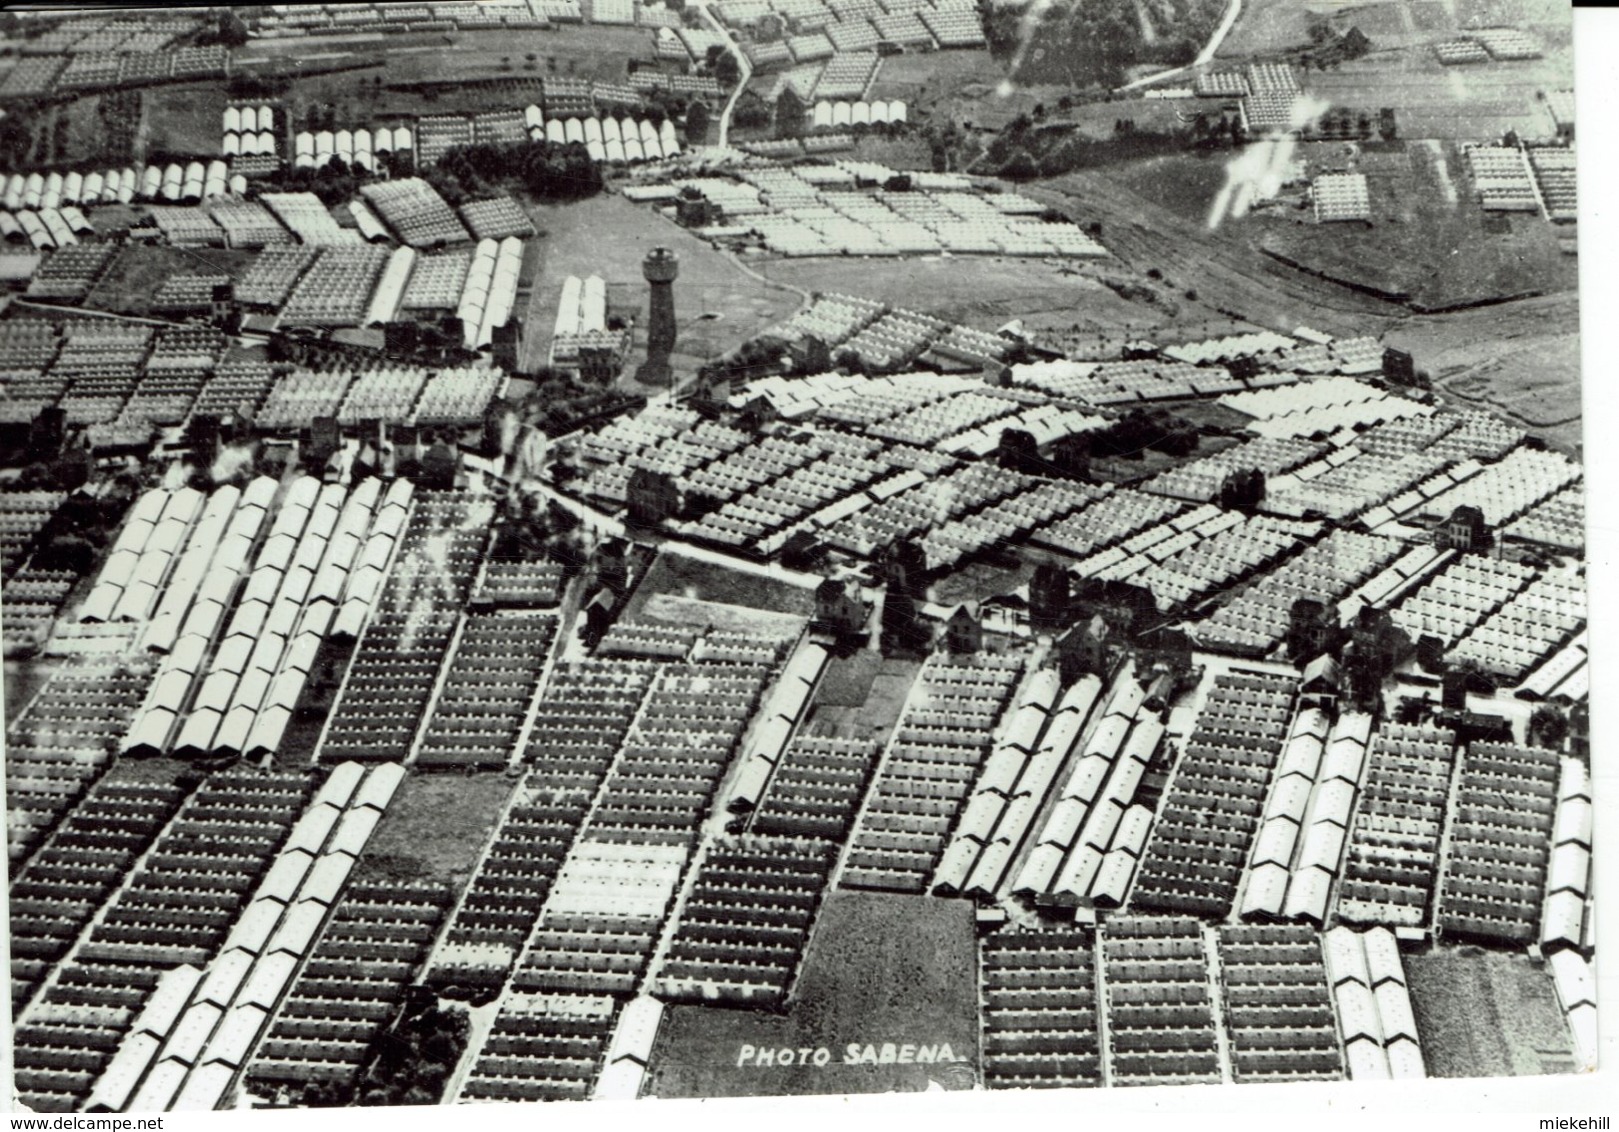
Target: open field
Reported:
point(572, 243)
point(861, 696)
point(596, 52)
point(981, 291)
point(1226, 273)
point(184, 119)
point(908, 152)
point(1487, 1014)
point(23, 678)
point(673, 609)
point(139, 269)
point(1476, 103)
point(1440, 252)
point(703, 581)
point(435, 828)
point(922, 79)
point(881, 971)
point(1521, 359)
point(1268, 27)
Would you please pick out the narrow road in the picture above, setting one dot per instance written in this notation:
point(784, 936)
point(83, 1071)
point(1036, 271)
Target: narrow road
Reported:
point(604, 523)
point(1227, 22)
point(742, 62)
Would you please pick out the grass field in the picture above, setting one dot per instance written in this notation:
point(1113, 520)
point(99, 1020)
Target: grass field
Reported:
point(939, 80)
point(597, 52)
point(139, 269)
point(979, 581)
point(894, 970)
point(1183, 183)
point(980, 291)
point(1476, 103)
point(1486, 1014)
point(1422, 244)
point(163, 770)
point(184, 119)
point(684, 577)
point(1268, 27)
point(861, 696)
point(1521, 359)
point(710, 284)
point(23, 678)
point(672, 609)
point(435, 828)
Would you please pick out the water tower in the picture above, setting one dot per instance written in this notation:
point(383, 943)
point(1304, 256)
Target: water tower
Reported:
point(661, 266)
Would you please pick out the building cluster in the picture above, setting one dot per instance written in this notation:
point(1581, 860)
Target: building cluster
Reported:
point(280, 21)
point(1263, 846)
point(858, 208)
point(842, 39)
point(1211, 730)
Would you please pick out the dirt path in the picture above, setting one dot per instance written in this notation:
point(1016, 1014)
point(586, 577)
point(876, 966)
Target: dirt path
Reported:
point(1228, 275)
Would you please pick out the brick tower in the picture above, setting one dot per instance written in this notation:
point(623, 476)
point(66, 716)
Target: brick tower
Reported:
point(661, 266)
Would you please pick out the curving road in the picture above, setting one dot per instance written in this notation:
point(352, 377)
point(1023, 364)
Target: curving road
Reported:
point(742, 62)
point(1227, 22)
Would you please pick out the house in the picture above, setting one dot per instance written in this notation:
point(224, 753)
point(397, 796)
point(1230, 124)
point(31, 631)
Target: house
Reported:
point(1007, 613)
point(1476, 727)
point(839, 608)
point(1465, 531)
point(1312, 629)
point(1399, 368)
point(1161, 691)
point(612, 566)
point(1085, 650)
point(1048, 598)
point(323, 443)
point(506, 344)
point(693, 210)
point(757, 414)
point(653, 497)
point(1321, 684)
point(598, 617)
point(964, 631)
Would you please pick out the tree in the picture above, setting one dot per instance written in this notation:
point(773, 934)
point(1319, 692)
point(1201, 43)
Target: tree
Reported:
point(697, 122)
point(750, 111)
point(902, 632)
point(1548, 727)
point(1019, 452)
point(790, 114)
point(1242, 489)
point(1020, 167)
point(727, 70)
point(1002, 25)
point(1048, 597)
point(1479, 680)
point(904, 563)
point(1071, 457)
point(228, 30)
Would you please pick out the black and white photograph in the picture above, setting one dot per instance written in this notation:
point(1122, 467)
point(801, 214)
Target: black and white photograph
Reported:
point(574, 550)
